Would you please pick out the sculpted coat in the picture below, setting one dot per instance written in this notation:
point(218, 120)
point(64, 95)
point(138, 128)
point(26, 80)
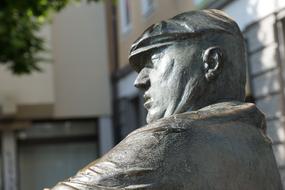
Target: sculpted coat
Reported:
point(220, 147)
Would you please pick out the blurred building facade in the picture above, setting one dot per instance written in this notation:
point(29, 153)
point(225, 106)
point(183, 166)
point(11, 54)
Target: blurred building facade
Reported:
point(56, 122)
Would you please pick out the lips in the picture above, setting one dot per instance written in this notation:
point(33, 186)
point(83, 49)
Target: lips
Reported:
point(147, 100)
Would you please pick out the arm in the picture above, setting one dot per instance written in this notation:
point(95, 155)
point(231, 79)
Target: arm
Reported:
point(132, 164)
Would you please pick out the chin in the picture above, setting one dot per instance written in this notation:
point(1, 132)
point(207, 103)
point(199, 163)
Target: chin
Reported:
point(149, 119)
point(152, 117)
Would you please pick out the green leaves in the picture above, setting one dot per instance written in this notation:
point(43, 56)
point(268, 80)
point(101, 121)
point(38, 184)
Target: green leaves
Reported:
point(20, 21)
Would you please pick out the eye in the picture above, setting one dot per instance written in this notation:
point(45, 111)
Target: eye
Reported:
point(149, 64)
point(155, 58)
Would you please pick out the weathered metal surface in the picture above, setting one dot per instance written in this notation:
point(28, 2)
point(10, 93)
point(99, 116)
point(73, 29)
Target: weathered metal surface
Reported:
point(200, 133)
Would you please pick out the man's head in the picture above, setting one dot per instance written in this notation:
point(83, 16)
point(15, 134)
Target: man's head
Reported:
point(190, 61)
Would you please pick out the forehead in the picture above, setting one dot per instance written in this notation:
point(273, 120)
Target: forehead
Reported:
point(176, 49)
point(139, 61)
point(157, 53)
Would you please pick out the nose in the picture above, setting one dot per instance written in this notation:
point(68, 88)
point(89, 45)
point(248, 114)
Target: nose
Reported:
point(142, 81)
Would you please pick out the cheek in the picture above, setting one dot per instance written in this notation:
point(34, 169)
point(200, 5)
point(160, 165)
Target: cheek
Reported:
point(159, 87)
point(174, 77)
point(167, 69)
point(164, 79)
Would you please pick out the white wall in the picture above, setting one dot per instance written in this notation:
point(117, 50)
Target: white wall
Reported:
point(245, 12)
point(37, 88)
point(79, 40)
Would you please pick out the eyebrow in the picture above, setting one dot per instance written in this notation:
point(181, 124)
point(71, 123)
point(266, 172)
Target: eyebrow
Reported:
point(155, 56)
point(159, 51)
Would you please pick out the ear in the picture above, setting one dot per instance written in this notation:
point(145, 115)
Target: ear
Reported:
point(212, 62)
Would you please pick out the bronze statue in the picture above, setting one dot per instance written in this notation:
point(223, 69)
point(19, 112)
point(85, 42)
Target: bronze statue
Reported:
point(201, 135)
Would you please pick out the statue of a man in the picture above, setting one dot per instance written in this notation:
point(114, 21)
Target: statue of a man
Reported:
point(201, 135)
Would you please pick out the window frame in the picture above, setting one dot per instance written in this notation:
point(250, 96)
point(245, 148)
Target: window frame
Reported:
point(147, 8)
point(125, 16)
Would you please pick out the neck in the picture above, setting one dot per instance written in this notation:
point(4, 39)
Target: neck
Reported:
point(203, 104)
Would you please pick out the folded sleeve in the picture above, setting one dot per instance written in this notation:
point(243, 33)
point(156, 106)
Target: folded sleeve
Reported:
point(132, 164)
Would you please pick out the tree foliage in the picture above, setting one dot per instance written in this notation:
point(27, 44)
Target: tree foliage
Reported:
point(20, 22)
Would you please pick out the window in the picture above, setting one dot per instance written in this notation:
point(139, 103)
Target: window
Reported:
point(125, 15)
point(51, 151)
point(147, 7)
point(132, 114)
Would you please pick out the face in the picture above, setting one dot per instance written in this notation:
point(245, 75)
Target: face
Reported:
point(168, 79)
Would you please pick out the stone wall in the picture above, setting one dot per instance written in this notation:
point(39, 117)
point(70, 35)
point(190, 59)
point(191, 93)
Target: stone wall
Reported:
point(266, 83)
